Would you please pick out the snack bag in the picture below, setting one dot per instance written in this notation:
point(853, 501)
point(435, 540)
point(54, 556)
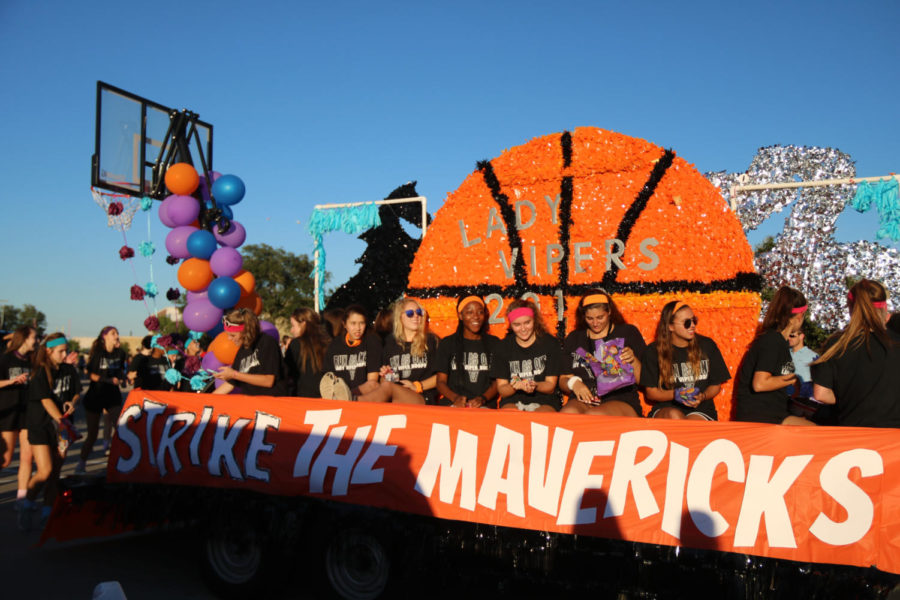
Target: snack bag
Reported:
point(686, 394)
point(606, 363)
point(66, 435)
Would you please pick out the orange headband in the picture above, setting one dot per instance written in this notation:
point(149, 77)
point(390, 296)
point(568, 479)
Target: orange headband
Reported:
point(468, 299)
point(595, 299)
point(678, 306)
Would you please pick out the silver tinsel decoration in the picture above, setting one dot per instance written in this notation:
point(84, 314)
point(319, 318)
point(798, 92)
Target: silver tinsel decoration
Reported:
point(806, 256)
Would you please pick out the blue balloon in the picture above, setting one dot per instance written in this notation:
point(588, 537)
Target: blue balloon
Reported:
point(219, 328)
point(227, 212)
point(228, 190)
point(201, 244)
point(224, 292)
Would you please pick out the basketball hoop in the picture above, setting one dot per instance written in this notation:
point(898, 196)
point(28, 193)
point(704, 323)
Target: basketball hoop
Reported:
point(130, 206)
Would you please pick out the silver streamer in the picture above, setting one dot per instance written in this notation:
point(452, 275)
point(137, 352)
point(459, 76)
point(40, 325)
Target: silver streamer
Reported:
point(806, 256)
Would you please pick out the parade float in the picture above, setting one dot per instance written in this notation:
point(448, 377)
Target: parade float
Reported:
point(373, 495)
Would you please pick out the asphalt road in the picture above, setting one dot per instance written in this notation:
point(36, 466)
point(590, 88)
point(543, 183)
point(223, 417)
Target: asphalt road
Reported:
point(156, 565)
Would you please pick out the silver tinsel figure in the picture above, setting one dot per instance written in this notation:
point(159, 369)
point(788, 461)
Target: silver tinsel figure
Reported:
point(806, 255)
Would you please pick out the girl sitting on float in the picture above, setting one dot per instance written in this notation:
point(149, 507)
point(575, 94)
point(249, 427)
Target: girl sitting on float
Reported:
point(859, 369)
point(464, 359)
point(527, 364)
point(353, 365)
point(106, 368)
point(767, 369)
point(53, 394)
point(598, 319)
point(306, 353)
point(256, 368)
point(682, 371)
point(409, 355)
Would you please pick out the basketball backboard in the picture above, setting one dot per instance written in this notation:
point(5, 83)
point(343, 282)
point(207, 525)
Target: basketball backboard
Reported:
point(137, 139)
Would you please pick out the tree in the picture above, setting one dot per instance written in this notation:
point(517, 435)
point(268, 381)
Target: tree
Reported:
point(12, 317)
point(764, 246)
point(283, 279)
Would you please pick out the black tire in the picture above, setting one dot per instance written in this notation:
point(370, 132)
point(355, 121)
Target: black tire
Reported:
point(235, 560)
point(357, 564)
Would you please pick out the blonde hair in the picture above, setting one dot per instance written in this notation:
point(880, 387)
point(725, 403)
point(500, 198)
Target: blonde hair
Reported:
point(419, 344)
point(245, 317)
point(865, 320)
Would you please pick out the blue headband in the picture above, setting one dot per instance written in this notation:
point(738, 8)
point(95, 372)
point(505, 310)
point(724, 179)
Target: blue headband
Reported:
point(56, 342)
point(153, 343)
point(173, 351)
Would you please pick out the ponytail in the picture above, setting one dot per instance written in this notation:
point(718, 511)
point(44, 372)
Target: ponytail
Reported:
point(867, 302)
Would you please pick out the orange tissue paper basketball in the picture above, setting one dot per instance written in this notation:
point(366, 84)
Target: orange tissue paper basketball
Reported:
point(182, 179)
point(574, 211)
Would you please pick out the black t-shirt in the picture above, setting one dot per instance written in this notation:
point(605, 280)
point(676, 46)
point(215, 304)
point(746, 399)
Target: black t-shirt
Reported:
point(306, 381)
point(866, 383)
point(11, 366)
point(412, 368)
point(474, 378)
point(108, 364)
point(770, 353)
point(538, 361)
point(66, 386)
point(154, 377)
point(713, 370)
point(575, 366)
point(353, 364)
point(263, 357)
point(138, 366)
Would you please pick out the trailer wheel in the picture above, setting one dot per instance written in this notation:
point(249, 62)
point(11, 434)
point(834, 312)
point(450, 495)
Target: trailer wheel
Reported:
point(358, 564)
point(235, 560)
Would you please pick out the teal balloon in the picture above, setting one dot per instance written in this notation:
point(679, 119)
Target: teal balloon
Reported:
point(224, 292)
point(228, 190)
point(201, 244)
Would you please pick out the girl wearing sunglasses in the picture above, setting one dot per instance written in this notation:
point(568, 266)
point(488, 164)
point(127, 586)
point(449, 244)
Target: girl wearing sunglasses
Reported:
point(410, 351)
point(858, 370)
point(53, 393)
point(464, 359)
point(598, 318)
point(256, 368)
point(353, 365)
point(526, 364)
point(682, 371)
point(767, 369)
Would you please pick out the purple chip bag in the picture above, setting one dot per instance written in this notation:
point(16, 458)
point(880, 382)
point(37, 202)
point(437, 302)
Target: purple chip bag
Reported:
point(606, 363)
point(684, 395)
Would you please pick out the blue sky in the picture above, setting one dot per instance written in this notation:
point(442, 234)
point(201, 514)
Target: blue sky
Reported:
point(344, 101)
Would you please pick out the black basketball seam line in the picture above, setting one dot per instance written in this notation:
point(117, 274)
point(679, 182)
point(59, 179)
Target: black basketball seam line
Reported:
point(566, 194)
point(629, 219)
point(520, 277)
point(743, 281)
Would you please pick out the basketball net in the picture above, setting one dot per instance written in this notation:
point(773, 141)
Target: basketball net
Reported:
point(130, 206)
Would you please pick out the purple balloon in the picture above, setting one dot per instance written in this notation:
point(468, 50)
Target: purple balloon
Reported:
point(210, 362)
point(226, 262)
point(269, 329)
point(164, 214)
point(234, 237)
point(201, 315)
point(194, 296)
point(176, 243)
point(182, 210)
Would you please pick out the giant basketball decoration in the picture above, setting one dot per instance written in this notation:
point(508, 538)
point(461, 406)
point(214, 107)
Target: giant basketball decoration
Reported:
point(566, 213)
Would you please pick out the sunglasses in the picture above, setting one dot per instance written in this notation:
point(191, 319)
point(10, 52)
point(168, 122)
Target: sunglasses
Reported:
point(794, 335)
point(688, 322)
point(409, 313)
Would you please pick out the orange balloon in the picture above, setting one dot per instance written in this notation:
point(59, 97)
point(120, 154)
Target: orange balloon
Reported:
point(224, 349)
point(247, 281)
point(182, 179)
point(195, 274)
point(251, 301)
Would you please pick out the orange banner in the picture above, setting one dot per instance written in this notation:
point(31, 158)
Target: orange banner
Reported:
point(812, 494)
